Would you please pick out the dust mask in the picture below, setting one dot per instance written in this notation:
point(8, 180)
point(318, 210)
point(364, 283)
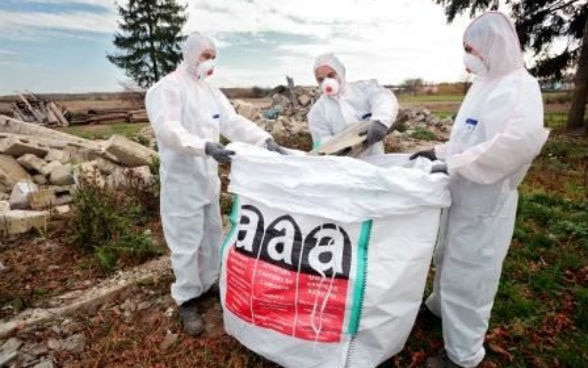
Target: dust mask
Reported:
point(330, 86)
point(205, 69)
point(474, 65)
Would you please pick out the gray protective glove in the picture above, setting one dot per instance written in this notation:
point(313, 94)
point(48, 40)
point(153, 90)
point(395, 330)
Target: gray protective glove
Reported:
point(218, 152)
point(271, 145)
point(439, 168)
point(376, 132)
point(429, 154)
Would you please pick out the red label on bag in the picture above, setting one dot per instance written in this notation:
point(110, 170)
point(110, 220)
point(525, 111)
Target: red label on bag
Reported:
point(280, 280)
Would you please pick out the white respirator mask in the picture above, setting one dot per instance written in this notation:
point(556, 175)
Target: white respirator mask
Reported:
point(330, 86)
point(475, 65)
point(205, 69)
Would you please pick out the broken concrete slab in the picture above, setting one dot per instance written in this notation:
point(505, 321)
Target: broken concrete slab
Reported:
point(45, 364)
point(40, 179)
point(11, 172)
point(348, 142)
point(42, 199)
point(58, 155)
point(246, 109)
point(88, 173)
point(62, 210)
point(106, 166)
point(62, 175)
point(7, 357)
point(141, 173)
point(48, 168)
point(14, 126)
point(4, 206)
point(304, 100)
point(50, 197)
point(129, 153)
point(17, 147)
point(91, 299)
point(20, 221)
point(19, 197)
point(31, 162)
point(12, 344)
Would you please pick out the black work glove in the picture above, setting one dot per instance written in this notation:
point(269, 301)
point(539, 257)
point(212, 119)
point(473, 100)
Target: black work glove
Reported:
point(429, 154)
point(439, 168)
point(271, 145)
point(376, 132)
point(218, 152)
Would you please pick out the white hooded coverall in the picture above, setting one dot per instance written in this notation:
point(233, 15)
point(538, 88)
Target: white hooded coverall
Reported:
point(496, 135)
point(185, 113)
point(356, 101)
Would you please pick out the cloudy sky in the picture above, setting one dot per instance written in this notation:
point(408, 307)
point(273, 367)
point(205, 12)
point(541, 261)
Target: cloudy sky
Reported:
point(60, 45)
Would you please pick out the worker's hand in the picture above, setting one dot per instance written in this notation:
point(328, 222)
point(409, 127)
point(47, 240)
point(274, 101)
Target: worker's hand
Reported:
point(376, 132)
point(439, 168)
point(218, 152)
point(429, 154)
point(271, 145)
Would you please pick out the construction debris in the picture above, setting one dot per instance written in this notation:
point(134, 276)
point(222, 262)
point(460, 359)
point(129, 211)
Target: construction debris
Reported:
point(19, 222)
point(348, 142)
point(127, 152)
point(39, 168)
point(34, 110)
point(110, 115)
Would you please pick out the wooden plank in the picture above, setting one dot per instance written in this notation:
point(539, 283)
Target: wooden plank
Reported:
point(62, 120)
point(51, 118)
point(40, 118)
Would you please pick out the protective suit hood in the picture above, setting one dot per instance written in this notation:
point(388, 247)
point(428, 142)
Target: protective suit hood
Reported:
point(332, 61)
point(494, 37)
point(195, 44)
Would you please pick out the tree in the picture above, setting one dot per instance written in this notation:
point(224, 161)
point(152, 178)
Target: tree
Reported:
point(413, 85)
point(148, 39)
point(539, 23)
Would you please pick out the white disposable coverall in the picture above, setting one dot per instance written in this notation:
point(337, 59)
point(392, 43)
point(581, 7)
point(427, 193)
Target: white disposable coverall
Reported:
point(185, 114)
point(497, 133)
point(356, 101)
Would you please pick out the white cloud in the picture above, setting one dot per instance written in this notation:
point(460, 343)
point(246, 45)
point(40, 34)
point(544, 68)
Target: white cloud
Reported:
point(6, 52)
point(387, 40)
point(80, 21)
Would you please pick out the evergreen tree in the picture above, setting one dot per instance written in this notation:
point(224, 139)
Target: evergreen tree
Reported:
point(539, 23)
point(148, 39)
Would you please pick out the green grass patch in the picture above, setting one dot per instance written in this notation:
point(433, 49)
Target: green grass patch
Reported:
point(111, 221)
point(424, 134)
point(406, 98)
point(105, 131)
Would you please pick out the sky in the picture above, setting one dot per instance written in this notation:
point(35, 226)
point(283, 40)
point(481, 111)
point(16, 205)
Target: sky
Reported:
point(61, 45)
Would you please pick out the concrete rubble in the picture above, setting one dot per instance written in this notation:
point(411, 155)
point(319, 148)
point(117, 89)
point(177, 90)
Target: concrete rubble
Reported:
point(285, 119)
point(39, 168)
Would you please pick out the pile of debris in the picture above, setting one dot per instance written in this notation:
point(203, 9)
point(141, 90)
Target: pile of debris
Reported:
point(34, 110)
point(109, 115)
point(40, 167)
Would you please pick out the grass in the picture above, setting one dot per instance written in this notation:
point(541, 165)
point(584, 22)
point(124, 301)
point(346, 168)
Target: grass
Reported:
point(540, 315)
point(409, 99)
point(423, 134)
point(105, 131)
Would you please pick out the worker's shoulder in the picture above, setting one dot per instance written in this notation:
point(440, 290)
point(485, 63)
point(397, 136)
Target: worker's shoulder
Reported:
point(515, 83)
point(171, 80)
point(318, 107)
point(367, 85)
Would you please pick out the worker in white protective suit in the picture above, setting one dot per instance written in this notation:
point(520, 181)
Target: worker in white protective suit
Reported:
point(343, 103)
point(497, 133)
point(187, 115)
